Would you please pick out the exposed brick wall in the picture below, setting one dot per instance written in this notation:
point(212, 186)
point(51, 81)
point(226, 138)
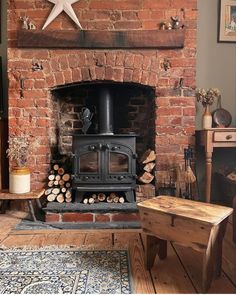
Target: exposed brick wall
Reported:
point(32, 109)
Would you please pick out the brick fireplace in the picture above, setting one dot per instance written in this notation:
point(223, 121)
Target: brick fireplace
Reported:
point(48, 86)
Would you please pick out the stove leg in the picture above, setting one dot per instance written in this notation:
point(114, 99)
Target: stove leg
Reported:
point(79, 197)
point(130, 196)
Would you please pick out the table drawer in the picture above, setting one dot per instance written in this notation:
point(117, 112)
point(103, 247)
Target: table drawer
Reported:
point(224, 136)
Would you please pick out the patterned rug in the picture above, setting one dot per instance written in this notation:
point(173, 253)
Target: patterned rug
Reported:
point(64, 272)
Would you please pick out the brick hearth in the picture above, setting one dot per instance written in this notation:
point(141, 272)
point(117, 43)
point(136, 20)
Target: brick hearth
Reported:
point(31, 103)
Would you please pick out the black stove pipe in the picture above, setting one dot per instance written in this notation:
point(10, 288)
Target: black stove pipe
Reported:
point(105, 111)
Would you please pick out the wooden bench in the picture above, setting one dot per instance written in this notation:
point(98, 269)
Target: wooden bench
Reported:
point(200, 226)
point(29, 197)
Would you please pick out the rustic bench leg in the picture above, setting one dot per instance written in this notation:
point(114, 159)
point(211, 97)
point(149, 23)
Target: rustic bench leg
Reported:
point(154, 246)
point(212, 259)
point(218, 248)
point(31, 208)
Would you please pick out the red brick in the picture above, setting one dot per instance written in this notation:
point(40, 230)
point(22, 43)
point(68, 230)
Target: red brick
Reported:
point(163, 4)
point(102, 218)
point(166, 111)
point(52, 217)
point(125, 217)
point(77, 217)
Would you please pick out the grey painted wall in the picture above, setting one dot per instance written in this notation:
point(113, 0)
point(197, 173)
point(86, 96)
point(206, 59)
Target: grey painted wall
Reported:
point(3, 52)
point(216, 67)
point(216, 62)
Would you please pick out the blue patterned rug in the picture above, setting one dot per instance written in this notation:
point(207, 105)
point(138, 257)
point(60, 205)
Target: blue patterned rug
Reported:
point(64, 272)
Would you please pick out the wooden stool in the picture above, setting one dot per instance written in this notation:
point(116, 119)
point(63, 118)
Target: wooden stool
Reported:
point(200, 226)
point(33, 195)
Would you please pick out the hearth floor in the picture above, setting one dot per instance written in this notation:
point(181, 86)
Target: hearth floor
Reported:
point(179, 273)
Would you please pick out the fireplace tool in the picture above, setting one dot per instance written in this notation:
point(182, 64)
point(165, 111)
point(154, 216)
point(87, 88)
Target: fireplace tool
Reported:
point(189, 176)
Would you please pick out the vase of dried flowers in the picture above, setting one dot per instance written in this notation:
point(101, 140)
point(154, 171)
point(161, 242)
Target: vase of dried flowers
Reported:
point(19, 178)
point(207, 97)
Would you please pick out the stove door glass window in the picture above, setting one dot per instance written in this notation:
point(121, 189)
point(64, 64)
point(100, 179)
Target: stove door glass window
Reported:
point(89, 163)
point(118, 163)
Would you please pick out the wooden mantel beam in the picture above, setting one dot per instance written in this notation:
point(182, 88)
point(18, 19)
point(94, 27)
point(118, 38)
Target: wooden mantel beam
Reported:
point(158, 39)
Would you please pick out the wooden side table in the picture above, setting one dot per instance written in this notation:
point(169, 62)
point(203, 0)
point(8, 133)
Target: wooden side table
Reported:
point(200, 226)
point(29, 197)
point(211, 138)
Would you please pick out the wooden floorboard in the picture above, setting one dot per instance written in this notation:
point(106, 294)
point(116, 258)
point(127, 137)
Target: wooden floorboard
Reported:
point(192, 261)
point(229, 254)
point(19, 241)
point(98, 240)
point(142, 281)
point(71, 239)
point(169, 276)
point(179, 273)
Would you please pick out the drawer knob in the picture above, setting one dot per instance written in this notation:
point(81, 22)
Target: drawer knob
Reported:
point(228, 137)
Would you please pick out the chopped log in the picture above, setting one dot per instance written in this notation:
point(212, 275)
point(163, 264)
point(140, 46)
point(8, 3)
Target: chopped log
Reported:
point(56, 191)
point(63, 189)
point(91, 200)
point(68, 194)
point(56, 182)
point(61, 182)
point(121, 200)
point(109, 199)
point(51, 197)
point(116, 199)
point(68, 200)
point(48, 191)
point(60, 198)
point(57, 177)
point(113, 195)
point(66, 177)
point(68, 185)
point(146, 190)
point(51, 183)
point(149, 167)
point(51, 177)
point(61, 171)
point(101, 197)
point(146, 177)
point(56, 167)
point(148, 156)
point(85, 201)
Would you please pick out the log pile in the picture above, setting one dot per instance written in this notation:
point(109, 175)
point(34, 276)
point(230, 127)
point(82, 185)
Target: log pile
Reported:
point(147, 161)
point(59, 185)
point(101, 197)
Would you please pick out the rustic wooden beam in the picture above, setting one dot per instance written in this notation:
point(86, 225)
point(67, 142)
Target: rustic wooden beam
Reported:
point(157, 39)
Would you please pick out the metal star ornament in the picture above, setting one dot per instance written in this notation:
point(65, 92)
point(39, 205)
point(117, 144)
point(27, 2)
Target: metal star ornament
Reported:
point(62, 5)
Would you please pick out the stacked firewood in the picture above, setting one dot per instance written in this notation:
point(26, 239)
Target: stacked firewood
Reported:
point(59, 185)
point(147, 161)
point(101, 197)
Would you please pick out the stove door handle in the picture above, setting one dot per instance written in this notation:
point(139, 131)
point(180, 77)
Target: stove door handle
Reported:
point(99, 146)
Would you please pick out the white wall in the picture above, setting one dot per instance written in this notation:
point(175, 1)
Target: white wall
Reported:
point(216, 62)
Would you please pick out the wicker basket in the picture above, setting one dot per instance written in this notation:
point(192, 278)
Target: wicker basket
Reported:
point(227, 187)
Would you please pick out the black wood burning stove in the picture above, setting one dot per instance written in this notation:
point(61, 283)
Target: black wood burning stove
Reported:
point(104, 162)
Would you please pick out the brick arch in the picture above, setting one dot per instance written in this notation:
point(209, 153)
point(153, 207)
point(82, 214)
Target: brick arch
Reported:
point(117, 66)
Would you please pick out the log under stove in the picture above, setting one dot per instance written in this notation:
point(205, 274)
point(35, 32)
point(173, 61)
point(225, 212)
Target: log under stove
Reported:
point(104, 162)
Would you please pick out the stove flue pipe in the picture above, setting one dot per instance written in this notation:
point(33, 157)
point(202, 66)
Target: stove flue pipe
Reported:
point(105, 111)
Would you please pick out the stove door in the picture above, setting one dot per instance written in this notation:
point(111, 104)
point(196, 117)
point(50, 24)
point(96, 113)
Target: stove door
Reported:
point(120, 166)
point(87, 164)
